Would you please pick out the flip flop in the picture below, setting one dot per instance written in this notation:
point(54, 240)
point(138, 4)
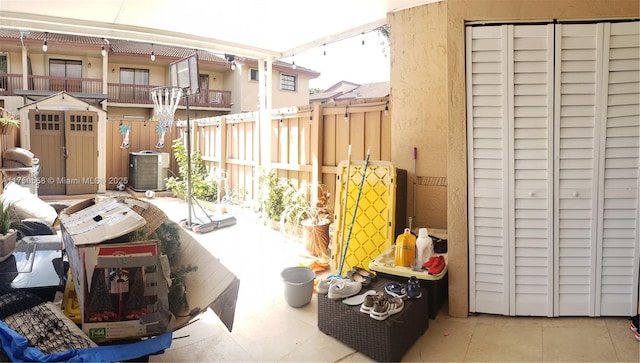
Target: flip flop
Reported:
point(358, 299)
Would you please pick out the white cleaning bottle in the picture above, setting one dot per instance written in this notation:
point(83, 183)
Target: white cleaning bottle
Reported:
point(424, 247)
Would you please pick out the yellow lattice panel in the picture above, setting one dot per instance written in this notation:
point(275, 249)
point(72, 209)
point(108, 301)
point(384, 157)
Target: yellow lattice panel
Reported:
point(374, 224)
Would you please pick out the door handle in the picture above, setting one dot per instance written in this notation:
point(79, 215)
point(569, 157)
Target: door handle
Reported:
point(65, 152)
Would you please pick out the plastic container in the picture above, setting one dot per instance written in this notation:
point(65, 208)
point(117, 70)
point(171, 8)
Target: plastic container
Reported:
point(424, 247)
point(298, 285)
point(405, 249)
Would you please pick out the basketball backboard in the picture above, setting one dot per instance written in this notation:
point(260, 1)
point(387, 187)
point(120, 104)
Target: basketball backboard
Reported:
point(184, 73)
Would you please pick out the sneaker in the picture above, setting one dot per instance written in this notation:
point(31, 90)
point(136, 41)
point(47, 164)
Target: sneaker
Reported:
point(343, 288)
point(395, 289)
point(429, 262)
point(324, 284)
point(386, 307)
point(635, 323)
point(437, 266)
point(413, 288)
point(367, 304)
point(380, 310)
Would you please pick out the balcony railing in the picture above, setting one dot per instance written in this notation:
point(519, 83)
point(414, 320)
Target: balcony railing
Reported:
point(116, 92)
point(130, 93)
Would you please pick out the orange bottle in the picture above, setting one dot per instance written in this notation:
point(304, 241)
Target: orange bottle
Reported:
point(405, 249)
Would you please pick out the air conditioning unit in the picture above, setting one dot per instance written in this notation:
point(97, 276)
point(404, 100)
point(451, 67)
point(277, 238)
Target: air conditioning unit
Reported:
point(148, 170)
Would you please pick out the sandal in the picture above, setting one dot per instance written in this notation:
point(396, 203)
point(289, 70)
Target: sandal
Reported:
point(358, 277)
point(365, 273)
point(396, 290)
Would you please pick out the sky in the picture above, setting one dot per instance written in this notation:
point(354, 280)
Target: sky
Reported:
point(347, 60)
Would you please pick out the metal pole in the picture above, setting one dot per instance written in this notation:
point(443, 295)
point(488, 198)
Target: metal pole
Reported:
point(188, 163)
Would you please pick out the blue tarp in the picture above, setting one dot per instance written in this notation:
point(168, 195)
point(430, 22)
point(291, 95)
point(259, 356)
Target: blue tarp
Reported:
point(18, 350)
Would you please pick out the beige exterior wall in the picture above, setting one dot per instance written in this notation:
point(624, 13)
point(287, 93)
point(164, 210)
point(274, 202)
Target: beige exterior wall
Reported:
point(280, 98)
point(429, 104)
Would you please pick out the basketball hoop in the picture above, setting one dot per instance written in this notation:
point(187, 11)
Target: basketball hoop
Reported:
point(165, 103)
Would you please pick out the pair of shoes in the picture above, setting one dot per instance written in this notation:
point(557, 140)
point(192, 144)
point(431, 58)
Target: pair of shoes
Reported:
point(635, 326)
point(369, 301)
point(343, 288)
point(385, 307)
point(413, 288)
point(435, 265)
point(396, 290)
point(361, 275)
point(324, 284)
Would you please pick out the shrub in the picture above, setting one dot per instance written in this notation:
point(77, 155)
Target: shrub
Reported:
point(203, 187)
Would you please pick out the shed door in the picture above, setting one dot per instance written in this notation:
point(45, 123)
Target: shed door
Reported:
point(66, 145)
point(47, 144)
point(82, 151)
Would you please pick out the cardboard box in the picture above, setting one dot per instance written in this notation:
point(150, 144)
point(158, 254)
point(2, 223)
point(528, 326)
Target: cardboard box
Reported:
point(122, 288)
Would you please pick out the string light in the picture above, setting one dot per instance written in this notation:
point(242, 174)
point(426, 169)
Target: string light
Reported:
point(346, 113)
point(293, 64)
point(362, 38)
point(386, 108)
point(44, 44)
point(324, 49)
point(153, 54)
point(103, 51)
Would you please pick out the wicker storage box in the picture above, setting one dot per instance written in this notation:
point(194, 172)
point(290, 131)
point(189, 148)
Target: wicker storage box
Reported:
point(384, 341)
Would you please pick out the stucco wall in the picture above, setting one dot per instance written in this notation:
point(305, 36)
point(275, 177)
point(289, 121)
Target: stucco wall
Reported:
point(429, 105)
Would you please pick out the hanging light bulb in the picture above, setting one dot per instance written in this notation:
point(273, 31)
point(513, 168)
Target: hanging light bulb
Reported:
point(362, 38)
point(103, 51)
point(44, 44)
point(153, 54)
point(324, 49)
point(386, 108)
point(233, 66)
point(293, 63)
point(346, 113)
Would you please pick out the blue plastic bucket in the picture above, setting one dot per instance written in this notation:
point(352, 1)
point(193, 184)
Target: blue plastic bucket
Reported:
point(298, 285)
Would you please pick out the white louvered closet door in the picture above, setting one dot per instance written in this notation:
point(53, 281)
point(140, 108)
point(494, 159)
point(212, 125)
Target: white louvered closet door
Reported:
point(553, 139)
point(488, 145)
point(578, 81)
point(510, 186)
point(597, 145)
point(620, 172)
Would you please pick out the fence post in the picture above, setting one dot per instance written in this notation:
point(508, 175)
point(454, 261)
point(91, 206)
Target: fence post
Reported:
point(316, 146)
point(222, 143)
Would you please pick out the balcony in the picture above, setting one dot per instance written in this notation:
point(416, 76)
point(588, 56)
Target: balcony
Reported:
point(135, 94)
point(91, 88)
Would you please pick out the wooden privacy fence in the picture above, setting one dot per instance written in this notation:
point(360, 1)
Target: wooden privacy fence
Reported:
point(307, 143)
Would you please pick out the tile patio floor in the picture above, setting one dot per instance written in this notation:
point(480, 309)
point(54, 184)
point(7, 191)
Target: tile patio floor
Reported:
point(266, 329)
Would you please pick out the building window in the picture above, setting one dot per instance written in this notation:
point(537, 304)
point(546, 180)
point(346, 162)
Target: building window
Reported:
point(288, 82)
point(253, 74)
point(4, 69)
point(66, 75)
point(135, 84)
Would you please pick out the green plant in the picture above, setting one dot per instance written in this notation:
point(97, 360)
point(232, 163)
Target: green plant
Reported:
point(302, 208)
point(274, 194)
point(7, 217)
point(203, 187)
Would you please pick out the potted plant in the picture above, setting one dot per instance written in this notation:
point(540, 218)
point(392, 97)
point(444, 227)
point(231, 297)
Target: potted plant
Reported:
point(8, 234)
point(309, 218)
point(7, 122)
